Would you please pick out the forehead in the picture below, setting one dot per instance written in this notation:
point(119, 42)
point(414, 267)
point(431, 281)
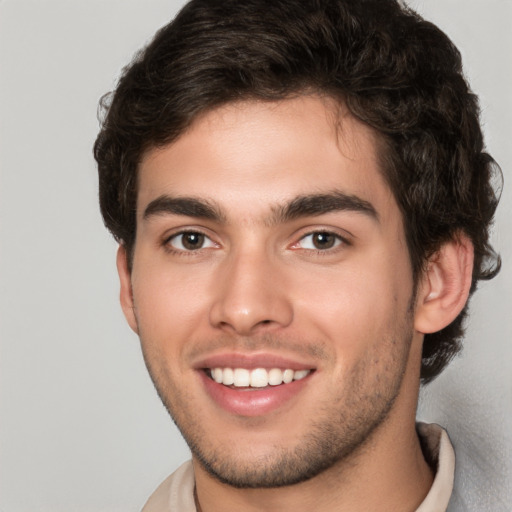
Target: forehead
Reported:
point(251, 155)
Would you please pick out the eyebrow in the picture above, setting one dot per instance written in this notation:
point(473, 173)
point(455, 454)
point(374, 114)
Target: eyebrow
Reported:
point(300, 206)
point(188, 206)
point(318, 204)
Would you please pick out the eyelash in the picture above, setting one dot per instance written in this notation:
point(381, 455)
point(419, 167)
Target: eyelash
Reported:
point(184, 251)
point(339, 241)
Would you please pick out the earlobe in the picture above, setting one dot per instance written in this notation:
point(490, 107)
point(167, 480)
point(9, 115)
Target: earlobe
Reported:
point(444, 288)
point(126, 293)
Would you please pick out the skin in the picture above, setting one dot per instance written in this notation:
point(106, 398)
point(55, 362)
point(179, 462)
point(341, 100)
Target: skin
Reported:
point(258, 285)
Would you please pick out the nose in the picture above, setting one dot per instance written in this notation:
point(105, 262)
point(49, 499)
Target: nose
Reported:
point(251, 296)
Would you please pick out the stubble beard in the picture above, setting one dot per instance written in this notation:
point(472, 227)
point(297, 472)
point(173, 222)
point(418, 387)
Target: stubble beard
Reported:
point(344, 427)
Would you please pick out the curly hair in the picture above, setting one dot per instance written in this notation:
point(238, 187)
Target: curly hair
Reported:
point(394, 71)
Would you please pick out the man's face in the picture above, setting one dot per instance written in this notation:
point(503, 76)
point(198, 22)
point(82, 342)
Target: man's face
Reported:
point(269, 247)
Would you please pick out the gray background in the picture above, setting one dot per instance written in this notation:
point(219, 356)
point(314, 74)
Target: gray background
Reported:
point(81, 428)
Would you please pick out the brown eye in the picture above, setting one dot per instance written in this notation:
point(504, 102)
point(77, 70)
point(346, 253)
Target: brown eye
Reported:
point(190, 241)
point(320, 241)
point(324, 240)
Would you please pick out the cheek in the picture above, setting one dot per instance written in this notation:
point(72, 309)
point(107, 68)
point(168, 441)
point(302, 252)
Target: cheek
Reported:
point(357, 307)
point(342, 297)
point(169, 307)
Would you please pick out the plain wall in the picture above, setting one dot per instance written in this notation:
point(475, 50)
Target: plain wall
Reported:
point(81, 428)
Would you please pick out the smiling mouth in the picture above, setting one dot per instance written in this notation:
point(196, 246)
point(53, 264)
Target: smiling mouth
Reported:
point(255, 378)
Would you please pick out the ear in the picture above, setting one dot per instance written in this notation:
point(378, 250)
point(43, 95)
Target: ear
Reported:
point(126, 294)
point(444, 288)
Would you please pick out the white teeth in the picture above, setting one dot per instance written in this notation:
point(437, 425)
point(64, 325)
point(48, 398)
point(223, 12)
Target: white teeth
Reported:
point(217, 375)
point(288, 376)
point(259, 378)
point(228, 376)
point(275, 377)
point(300, 374)
point(256, 378)
point(242, 378)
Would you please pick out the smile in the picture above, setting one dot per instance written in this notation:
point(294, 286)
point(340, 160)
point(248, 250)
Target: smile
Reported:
point(256, 377)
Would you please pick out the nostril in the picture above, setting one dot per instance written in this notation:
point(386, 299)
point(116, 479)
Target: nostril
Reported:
point(245, 314)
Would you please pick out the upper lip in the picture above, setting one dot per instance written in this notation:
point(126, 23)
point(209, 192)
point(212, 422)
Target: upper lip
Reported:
point(251, 361)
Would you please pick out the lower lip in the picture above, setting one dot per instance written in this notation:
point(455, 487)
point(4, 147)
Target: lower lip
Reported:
point(252, 401)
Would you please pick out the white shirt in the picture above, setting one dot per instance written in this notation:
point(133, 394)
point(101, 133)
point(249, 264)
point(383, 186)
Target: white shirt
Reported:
point(176, 493)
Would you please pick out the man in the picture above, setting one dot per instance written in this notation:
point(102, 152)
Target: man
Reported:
point(302, 201)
